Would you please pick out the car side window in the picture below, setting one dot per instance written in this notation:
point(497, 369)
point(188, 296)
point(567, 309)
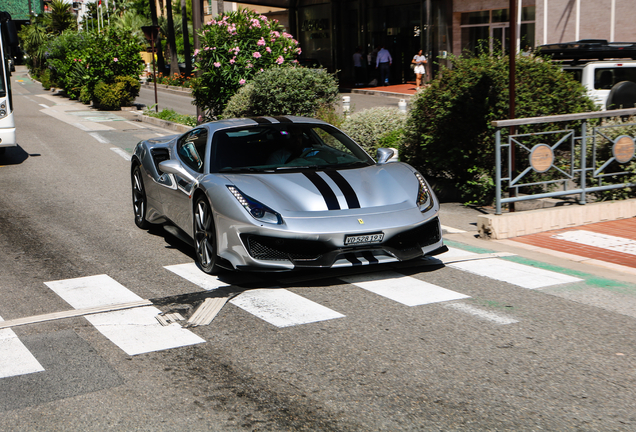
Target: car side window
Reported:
point(191, 148)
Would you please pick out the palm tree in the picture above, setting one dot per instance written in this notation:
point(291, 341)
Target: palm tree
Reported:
point(131, 22)
point(60, 17)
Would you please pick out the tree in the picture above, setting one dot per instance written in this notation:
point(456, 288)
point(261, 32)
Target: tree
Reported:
point(448, 133)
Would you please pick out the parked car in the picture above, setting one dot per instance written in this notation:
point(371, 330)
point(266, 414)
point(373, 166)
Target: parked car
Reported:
point(606, 69)
point(283, 193)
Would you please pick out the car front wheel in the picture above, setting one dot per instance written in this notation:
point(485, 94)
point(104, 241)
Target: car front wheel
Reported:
point(139, 198)
point(205, 237)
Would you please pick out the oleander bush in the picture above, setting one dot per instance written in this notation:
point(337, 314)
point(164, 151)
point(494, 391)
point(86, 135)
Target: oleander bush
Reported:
point(306, 91)
point(449, 135)
point(236, 47)
point(376, 127)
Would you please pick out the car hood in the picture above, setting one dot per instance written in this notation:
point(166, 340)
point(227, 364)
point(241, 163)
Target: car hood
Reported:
point(351, 190)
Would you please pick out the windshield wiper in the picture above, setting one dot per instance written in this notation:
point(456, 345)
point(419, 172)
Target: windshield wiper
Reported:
point(298, 167)
point(351, 164)
point(244, 169)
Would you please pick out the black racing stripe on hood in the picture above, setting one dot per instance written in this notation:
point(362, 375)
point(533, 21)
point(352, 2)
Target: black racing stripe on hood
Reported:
point(330, 197)
point(345, 187)
point(261, 120)
point(283, 119)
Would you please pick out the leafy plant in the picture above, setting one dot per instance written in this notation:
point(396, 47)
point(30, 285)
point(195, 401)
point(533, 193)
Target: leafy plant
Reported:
point(171, 115)
point(449, 133)
point(376, 127)
point(235, 48)
point(305, 92)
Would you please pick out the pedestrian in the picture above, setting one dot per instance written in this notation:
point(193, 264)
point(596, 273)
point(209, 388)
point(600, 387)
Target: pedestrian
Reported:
point(383, 64)
point(358, 67)
point(371, 58)
point(419, 60)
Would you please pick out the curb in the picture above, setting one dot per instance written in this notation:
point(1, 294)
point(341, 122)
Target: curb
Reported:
point(167, 88)
point(177, 127)
point(382, 93)
point(516, 224)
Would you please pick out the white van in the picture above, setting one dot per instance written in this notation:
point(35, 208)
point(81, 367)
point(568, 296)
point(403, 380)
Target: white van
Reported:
point(598, 65)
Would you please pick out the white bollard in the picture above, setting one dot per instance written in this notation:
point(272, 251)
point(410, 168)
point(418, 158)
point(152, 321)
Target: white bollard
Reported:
point(402, 105)
point(346, 105)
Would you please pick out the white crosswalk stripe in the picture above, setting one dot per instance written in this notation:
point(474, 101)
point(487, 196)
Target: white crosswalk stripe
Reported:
point(15, 358)
point(507, 271)
point(283, 308)
point(403, 289)
point(135, 331)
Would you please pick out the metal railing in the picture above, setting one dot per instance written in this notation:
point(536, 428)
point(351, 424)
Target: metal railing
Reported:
point(572, 142)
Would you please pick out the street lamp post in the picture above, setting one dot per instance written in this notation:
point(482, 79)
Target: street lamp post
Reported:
point(151, 33)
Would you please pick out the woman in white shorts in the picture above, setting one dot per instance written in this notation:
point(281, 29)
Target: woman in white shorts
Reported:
point(419, 61)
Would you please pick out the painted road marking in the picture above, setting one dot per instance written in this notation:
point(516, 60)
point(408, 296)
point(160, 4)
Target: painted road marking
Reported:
point(403, 289)
point(603, 241)
point(122, 153)
point(135, 331)
point(15, 358)
point(450, 230)
point(507, 271)
point(43, 105)
point(283, 308)
point(195, 275)
point(99, 138)
point(479, 313)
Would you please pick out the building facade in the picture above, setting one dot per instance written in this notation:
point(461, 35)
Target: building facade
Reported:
point(330, 30)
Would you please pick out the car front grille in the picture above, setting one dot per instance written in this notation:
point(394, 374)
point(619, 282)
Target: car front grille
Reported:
point(278, 249)
point(416, 238)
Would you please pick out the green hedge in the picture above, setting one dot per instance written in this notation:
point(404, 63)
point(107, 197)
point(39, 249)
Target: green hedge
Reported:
point(449, 135)
point(285, 91)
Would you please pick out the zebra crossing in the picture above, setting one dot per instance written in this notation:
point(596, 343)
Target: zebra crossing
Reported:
point(136, 330)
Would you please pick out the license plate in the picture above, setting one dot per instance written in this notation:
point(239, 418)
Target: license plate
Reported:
point(363, 239)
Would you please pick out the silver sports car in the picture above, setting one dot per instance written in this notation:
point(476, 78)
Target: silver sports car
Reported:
point(283, 193)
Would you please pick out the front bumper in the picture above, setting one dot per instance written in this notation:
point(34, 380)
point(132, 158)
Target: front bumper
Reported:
point(285, 253)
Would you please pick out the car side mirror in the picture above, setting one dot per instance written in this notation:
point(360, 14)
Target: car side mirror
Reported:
point(386, 155)
point(174, 167)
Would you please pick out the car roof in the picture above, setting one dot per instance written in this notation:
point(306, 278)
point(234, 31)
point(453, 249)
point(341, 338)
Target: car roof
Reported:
point(263, 120)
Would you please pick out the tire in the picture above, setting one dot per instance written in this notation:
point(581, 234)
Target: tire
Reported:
point(622, 95)
point(139, 200)
point(205, 236)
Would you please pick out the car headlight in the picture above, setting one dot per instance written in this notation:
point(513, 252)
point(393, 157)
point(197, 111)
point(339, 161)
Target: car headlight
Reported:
point(3, 110)
point(424, 195)
point(258, 211)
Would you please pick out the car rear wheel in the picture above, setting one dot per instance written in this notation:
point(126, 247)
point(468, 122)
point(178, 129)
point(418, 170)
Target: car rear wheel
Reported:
point(139, 198)
point(205, 236)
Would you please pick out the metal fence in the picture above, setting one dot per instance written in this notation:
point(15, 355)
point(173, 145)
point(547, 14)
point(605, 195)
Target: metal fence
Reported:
point(560, 162)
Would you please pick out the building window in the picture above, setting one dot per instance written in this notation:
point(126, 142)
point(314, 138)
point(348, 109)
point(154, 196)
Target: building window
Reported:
point(491, 29)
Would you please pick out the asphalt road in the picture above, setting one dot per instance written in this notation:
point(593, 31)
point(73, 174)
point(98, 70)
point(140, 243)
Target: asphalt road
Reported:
point(480, 343)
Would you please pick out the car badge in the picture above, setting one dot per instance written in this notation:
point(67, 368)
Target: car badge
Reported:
point(360, 221)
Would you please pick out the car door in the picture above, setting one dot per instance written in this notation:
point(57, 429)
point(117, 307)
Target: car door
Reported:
point(191, 152)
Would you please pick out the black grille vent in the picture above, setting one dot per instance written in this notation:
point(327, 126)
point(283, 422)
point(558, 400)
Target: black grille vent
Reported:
point(417, 238)
point(159, 155)
point(277, 249)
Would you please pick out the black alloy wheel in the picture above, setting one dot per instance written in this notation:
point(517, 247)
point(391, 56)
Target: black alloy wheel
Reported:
point(139, 198)
point(205, 237)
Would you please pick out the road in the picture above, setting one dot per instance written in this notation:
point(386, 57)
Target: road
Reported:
point(470, 341)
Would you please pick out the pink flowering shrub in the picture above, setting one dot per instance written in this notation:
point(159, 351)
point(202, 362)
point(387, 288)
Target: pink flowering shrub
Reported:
point(234, 48)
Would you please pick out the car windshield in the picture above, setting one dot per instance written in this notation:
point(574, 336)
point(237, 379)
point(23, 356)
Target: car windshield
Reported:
point(284, 147)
